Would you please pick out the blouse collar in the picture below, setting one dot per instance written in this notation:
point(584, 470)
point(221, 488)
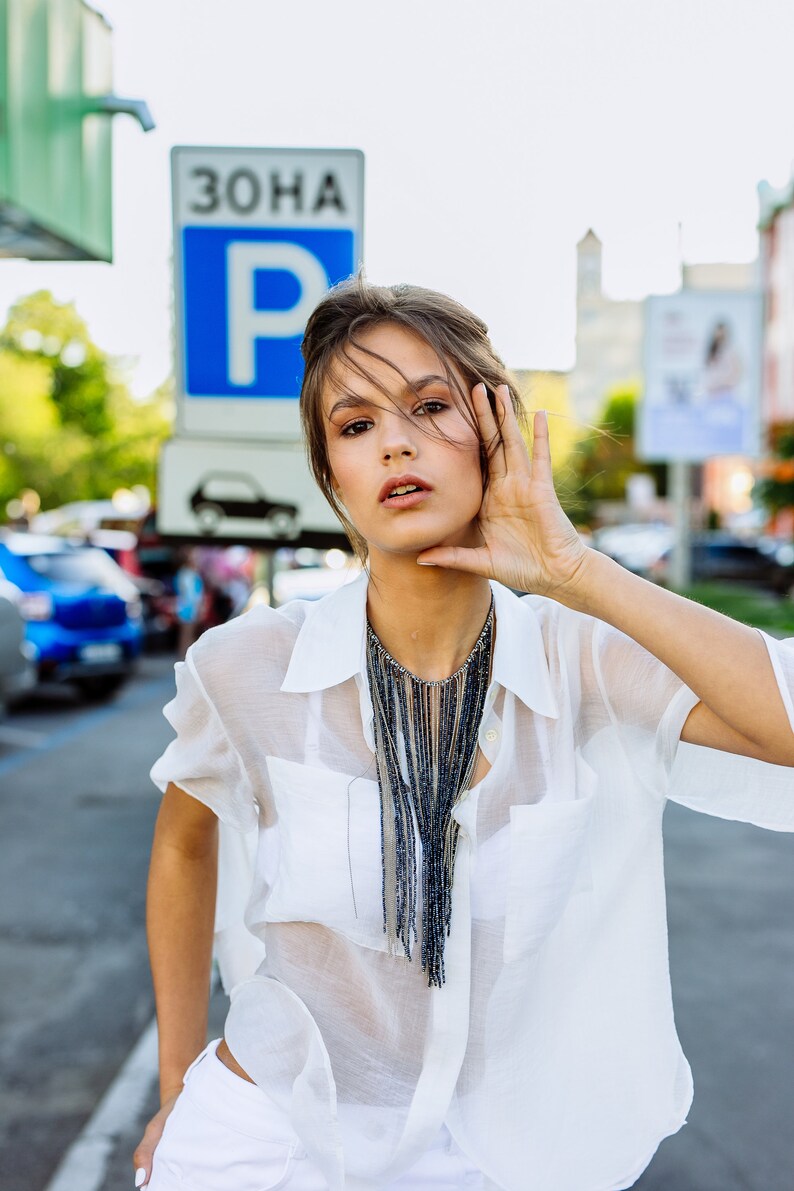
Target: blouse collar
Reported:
point(331, 646)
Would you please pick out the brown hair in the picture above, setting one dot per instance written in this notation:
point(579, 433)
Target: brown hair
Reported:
point(456, 335)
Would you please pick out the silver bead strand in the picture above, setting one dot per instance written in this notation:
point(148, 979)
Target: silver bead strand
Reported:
point(438, 723)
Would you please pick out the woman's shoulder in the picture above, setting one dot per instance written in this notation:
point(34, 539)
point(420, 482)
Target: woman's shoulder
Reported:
point(555, 619)
point(579, 637)
point(259, 641)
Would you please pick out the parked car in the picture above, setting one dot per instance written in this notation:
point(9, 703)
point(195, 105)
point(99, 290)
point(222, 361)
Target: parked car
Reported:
point(722, 557)
point(17, 672)
point(82, 613)
point(150, 566)
point(314, 581)
point(158, 562)
point(637, 547)
point(132, 542)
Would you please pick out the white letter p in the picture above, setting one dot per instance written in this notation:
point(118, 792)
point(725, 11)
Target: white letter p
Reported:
point(246, 324)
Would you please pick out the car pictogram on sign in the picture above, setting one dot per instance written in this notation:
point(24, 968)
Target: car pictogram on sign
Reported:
point(229, 494)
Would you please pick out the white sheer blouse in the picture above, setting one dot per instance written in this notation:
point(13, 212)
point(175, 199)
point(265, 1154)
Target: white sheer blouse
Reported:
point(551, 1052)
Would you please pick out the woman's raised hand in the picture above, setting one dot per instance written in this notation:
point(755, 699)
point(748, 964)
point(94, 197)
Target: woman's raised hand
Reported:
point(528, 542)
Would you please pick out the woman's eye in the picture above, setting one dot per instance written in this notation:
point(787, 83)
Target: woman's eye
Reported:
point(352, 429)
point(432, 406)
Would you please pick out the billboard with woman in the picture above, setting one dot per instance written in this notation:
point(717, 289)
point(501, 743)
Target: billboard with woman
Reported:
point(702, 375)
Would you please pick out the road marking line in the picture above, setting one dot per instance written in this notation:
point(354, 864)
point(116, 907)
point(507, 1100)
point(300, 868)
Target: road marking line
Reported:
point(85, 1163)
point(22, 737)
point(136, 698)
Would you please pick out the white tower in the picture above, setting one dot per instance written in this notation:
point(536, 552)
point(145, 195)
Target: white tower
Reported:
point(608, 336)
point(588, 267)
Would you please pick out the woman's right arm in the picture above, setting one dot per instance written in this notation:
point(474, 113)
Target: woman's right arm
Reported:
point(180, 914)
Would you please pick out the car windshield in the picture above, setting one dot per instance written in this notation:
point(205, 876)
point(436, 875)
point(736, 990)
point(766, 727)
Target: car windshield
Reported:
point(220, 488)
point(83, 568)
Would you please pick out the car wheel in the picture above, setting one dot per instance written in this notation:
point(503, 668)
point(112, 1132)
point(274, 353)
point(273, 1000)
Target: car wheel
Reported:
point(209, 517)
point(283, 524)
point(101, 686)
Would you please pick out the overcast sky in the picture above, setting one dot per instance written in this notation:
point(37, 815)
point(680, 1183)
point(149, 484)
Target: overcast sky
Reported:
point(495, 134)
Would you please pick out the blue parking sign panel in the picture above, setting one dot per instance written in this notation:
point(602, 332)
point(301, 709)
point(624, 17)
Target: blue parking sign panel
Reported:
point(237, 301)
point(260, 235)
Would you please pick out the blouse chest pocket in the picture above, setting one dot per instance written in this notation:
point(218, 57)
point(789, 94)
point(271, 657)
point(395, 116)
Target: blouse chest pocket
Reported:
point(329, 839)
point(549, 863)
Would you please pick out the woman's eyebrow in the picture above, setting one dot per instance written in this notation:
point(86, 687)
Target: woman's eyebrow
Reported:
point(349, 401)
point(421, 382)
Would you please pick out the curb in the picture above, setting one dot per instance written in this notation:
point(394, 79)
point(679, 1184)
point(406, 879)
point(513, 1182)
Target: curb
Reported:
point(85, 1163)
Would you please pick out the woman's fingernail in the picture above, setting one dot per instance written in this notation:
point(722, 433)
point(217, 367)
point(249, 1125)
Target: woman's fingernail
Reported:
point(422, 563)
point(140, 1176)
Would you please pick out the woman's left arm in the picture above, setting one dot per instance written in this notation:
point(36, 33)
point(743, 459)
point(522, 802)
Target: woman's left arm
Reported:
point(725, 663)
point(529, 544)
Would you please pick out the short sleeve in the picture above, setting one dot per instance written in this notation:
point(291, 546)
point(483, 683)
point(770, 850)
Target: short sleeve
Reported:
point(733, 787)
point(781, 655)
point(647, 702)
point(202, 761)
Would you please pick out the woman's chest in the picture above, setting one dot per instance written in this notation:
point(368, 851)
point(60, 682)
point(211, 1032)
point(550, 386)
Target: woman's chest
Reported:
point(521, 825)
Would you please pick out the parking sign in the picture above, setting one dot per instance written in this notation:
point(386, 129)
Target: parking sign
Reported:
point(259, 236)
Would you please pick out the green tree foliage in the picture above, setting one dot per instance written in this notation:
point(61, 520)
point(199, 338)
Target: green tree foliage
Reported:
point(68, 426)
point(604, 459)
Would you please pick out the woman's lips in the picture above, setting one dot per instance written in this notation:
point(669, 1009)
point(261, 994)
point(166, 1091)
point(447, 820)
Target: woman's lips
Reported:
point(408, 501)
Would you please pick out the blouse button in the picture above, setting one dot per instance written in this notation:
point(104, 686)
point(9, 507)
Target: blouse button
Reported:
point(491, 735)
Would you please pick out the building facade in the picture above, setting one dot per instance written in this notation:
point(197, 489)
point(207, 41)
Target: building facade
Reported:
point(776, 227)
point(608, 337)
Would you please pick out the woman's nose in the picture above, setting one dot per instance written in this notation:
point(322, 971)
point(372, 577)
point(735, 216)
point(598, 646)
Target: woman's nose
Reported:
point(395, 451)
point(397, 442)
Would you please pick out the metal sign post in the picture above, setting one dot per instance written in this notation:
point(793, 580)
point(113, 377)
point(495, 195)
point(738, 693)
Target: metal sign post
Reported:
point(680, 473)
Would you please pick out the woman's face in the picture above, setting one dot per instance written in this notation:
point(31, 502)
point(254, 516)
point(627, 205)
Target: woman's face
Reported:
point(378, 445)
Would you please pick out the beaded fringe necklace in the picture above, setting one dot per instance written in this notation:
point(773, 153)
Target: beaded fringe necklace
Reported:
point(425, 745)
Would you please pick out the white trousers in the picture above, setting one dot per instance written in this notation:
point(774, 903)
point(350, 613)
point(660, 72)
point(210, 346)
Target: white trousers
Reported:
point(224, 1134)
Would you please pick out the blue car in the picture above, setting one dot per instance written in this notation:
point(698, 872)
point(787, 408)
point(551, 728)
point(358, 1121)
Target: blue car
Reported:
point(82, 613)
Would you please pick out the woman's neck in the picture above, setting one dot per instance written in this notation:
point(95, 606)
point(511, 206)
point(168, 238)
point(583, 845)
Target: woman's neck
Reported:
point(427, 618)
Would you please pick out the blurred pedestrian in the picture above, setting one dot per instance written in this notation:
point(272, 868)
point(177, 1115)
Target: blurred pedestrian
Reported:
point(440, 810)
point(189, 587)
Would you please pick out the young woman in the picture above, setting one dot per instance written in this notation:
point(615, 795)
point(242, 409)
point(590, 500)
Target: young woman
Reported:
point(453, 971)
